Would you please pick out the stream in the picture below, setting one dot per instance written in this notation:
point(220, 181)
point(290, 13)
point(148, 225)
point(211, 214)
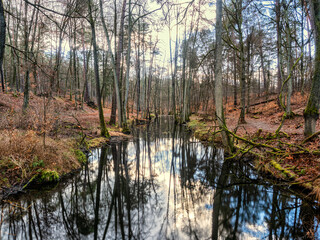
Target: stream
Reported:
point(162, 184)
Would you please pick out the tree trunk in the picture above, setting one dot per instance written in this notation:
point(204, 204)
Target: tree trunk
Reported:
point(234, 78)
point(121, 112)
point(242, 80)
point(302, 50)
point(128, 62)
point(289, 92)
point(248, 70)
point(116, 100)
point(265, 85)
point(311, 113)
point(86, 96)
point(2, 41)
point(218, 75)
point(184, 117)
point(103, 128)
point(26, 48)
point(138, 71)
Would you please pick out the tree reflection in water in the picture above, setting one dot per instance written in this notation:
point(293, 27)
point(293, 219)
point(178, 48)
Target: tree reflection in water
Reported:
point(161, 185)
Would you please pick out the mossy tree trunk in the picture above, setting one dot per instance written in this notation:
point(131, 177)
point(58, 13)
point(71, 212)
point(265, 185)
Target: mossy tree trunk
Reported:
point(311, 113)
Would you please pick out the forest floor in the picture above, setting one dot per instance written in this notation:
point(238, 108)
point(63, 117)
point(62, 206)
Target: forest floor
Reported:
point(44, 141)
point(287, 156)
point(43, 144)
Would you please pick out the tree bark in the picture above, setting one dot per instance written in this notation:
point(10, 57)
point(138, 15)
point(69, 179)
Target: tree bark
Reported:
point(26, 48)
point(218, 75)
point(311, 113)
point(128, 61)
point(121, 111)
point(288, 50)
point(243, 69)
point(184, 117)
point(116, 91)
point(2, 42)
point(86, 96)
point(235, 78)
point(103, 128)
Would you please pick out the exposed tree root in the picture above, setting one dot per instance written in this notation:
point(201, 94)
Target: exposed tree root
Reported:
point(269, 151)
point(311, 137)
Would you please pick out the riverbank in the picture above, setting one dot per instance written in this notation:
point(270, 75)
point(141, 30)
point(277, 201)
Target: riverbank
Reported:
point(284, 153)
point(46, 142)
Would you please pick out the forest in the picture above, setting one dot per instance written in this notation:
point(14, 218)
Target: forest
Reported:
point(101, 79)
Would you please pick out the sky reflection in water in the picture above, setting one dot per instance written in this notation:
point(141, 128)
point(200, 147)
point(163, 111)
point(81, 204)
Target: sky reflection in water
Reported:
point(163, 184)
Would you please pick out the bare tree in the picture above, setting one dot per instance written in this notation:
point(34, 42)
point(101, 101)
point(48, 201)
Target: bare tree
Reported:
point(218, 74)
point(2, 41)
point(104, 130)
point(235, 20)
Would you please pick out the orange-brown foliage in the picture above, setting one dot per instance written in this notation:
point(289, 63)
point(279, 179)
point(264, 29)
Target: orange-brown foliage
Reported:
point(23, 152)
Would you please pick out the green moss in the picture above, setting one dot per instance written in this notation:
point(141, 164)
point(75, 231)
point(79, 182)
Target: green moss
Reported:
point(311, 110)
point(48, 176)
point(82, 158)
point(126, 130)
point(284, 172)
point(130, 122)
point(96, 142)
point(37, 162)
point(195, 124)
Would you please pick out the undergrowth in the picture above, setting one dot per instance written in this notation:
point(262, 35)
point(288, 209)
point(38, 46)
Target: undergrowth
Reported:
point(23, 154)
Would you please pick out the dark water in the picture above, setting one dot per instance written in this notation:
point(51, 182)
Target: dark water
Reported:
point(163, 184)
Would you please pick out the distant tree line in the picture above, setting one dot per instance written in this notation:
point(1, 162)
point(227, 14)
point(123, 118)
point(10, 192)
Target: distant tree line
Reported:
point(109, 52)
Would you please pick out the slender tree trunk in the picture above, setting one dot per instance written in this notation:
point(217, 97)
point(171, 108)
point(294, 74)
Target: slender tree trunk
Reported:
point(75, 76)
point(86, 96)
point(279, 55)
point(121, 112)
point(26, 48)
point(249, 44)
point(116, 94)
point(218, 75)
point(138, 71)
point(184, 117)
point(289, 84)
point(302, 50)
point(103, 128)
point(2, 42)
point(150, 79)
point(128, 62)
point(242, 80)
point(265, 84)
point(234, 78)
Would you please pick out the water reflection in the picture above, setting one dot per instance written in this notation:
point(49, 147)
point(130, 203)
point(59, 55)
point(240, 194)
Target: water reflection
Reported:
point(162, 185)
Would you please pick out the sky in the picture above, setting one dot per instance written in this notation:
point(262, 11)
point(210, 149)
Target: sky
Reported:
point(206, 22)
